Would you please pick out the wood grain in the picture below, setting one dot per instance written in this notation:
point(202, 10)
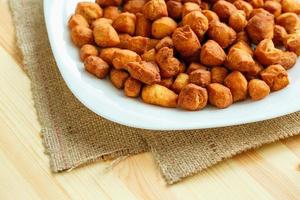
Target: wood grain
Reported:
point(7, 34)
point(271, 172)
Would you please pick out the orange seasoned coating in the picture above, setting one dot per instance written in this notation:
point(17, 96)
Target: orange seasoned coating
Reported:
point(111, 12)
point(192, 97)
point(90, 11)
point(107, 54)
point(105, 35)
point(181, 80)
point(243, 46)
point(258, 11)
point(134, 6)
point(124, 40)
point(245, 6)
point(240, 60)
point(132, 87)
point(123, 56)
point(273, 7)
point(142, 25)
point(257, 3)
point(118, 77)
point(100, 21)
point(260, 27)
point(267, 54)
point(279, 35)
point(149, 56)
point(125, 23)
point(200, 77)
point(159, 95)
point(218, 74)
point(212, 54)
point(163, 27)
point(81, 35)
point(168, 64)
point(221, 33)
point(291, 6)
point(194, 66)
point(238, 20)
point(254, 72)
point(219, 95)
point(165, 42)
point(77, 20)
point(197, 21)
point(210, 15)
point(290, 21)
point(242, 36)
point(186, 41)
point(258, 89)
point(167, 82)
point(189, 7)
point(224, 9)
point(155, 9)
point(146, 72)
point(152, 43)
point(276, 77)
point(105, 3)
point(174, 9)
point(138, 44)
point(88, 50)
point(292, 42)
point(237, 83)
point(96, 66)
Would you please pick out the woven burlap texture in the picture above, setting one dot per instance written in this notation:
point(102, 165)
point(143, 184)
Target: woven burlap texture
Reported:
point(73, 135)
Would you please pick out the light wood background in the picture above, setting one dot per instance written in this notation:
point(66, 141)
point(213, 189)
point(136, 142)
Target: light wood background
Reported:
point(272, 172)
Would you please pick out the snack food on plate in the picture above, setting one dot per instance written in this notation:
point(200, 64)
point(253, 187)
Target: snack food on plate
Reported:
point(163, 27)
point(96, 66)
point(237, 83)
point(134, 6)
point(105, 35)
point(218, 74)
point(100, 21)
point(219, 95)
point(189, 53)
point(111, 12)
point(159, 95)
point(189, 7)
point(118, 77)
point(90, 11)
point(258, 89)
point(212, 54)
point(192, 97)
point(132, 87)
point(88, 50)
point(125, 23)
point(181, 80)
point(224, 9)
point(77, 20)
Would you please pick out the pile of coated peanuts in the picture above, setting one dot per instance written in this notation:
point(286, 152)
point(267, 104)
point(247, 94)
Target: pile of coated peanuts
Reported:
point(189, 53)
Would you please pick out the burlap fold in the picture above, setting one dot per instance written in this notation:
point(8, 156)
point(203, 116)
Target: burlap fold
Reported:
point(73, 135)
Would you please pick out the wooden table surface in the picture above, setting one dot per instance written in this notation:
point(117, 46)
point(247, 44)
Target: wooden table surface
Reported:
point(271, 172)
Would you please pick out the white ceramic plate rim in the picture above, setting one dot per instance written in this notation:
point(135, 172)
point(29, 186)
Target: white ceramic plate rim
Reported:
point(100, 97)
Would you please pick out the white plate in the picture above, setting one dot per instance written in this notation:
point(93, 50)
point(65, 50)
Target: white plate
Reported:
point(102, 98)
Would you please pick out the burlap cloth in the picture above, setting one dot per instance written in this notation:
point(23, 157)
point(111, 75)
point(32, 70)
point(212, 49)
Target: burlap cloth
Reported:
point(73, 135)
